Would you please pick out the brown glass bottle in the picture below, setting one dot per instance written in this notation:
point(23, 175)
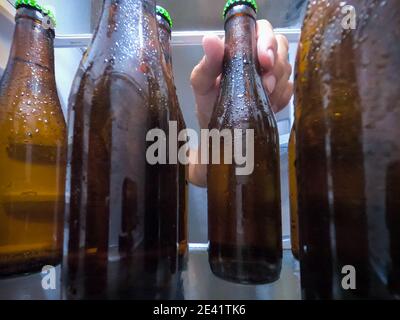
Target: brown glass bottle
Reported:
point(164, 29)
point(33, 151)
point(294, 218)
point(347, 148)
point(122, 239)
point(244, 211)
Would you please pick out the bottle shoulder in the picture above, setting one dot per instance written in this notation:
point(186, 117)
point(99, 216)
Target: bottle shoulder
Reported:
point(243, 103)
point(121, 94)
point(28, 108)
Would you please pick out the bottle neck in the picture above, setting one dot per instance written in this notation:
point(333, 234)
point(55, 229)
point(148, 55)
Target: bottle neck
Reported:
point(165, 39)
point(240, 35)
point(32, 43)
point(125, 27)
point(124, 11)
point(127, 6)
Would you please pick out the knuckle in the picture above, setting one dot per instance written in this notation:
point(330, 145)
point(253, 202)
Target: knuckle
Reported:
point(287, 95)
point(273, 40)
point(194, 76)
point(284, 101)
point(283, 40)
point(265, 23)
point(279, 69)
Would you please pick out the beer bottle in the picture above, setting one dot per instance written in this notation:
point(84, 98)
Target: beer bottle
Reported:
point(244, 208)
point(294, 219)
point(33, 148)
point(348, 150)
point(122, 217)
point(165, 24)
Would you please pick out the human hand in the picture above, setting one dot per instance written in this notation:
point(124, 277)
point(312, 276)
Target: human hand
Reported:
point(272, 51)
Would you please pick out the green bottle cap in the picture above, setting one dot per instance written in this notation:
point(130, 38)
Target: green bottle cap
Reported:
point(231, 3)
point(165, 14)
point(34, 5)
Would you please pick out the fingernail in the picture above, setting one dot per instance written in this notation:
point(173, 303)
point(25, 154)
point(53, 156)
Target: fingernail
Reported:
point(270, 83)
point(271, 55)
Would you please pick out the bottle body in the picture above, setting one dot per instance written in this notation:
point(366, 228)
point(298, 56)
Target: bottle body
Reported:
point(244, 211)
point(122, 239)
point(345, 111)
point(183, 169)
point(294, 218)
point(33, 152)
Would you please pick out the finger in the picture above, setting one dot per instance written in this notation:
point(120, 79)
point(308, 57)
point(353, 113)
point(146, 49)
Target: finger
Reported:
point(281, 85)
point(269, 82)
point(204, 75)
point(205, 105)
point(281, 74)
point(267, 45)
point(282, 56)
point(282, 69)
point(282, 62)
point(284, 98)
point(283, 42)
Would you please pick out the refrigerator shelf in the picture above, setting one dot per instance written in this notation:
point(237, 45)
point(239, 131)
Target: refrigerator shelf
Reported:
point(179, 38)
point(197, 283)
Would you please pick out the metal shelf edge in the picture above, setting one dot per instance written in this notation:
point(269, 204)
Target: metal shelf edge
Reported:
point(179, 38)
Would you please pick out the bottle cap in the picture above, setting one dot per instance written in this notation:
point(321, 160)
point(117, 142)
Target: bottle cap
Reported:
point(165, 14)
point(34, 5)
point(231, 3)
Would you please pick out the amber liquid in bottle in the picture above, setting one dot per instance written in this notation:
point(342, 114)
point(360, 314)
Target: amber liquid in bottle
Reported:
point(164, 30)
point(244, 212)
point(122, 239)
point(32, 152)
point(347, 99)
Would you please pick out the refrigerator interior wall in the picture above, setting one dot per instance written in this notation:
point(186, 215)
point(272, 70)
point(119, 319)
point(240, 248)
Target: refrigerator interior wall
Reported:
point(7, 13)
